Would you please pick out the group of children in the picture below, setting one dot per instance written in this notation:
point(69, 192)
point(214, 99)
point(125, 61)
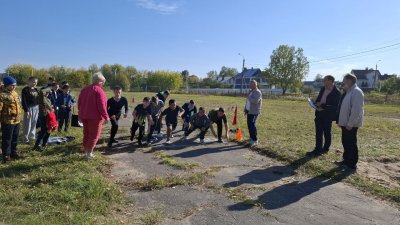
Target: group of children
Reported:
point(48, 107)
point(151, 112)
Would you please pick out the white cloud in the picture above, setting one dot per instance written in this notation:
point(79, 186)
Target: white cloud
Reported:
point(158, 6)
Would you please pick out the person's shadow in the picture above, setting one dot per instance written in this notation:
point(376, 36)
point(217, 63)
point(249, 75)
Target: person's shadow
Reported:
point(270, 174)
point(292, 192)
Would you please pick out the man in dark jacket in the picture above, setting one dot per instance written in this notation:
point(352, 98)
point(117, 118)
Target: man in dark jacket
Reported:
point(327, 103)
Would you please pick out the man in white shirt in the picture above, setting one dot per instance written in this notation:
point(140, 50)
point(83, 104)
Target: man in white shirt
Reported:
point(351, 117)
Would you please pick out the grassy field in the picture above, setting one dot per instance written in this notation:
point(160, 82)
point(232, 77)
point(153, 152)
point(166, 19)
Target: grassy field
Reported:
point(58, 187)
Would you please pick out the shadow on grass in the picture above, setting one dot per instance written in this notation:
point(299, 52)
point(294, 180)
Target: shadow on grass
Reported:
point(290, 193)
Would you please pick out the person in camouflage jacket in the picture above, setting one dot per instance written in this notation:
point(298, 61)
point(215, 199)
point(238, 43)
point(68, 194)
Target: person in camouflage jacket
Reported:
point(10, 117)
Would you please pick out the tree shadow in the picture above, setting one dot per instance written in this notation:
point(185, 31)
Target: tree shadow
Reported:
point(290, 193)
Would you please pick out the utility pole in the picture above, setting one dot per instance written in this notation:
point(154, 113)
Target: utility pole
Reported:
point(241, 86)
point(376, 78)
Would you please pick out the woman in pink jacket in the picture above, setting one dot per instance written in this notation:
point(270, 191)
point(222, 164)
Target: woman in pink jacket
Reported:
point(92, 106)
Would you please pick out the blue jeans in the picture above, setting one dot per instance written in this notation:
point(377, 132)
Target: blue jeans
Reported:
point(323, 128)
point(9, 139)
point(251, 125)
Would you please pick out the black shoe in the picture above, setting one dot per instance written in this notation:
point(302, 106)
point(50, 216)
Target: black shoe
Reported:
point(220, 141)
point(16, 157)
point(109, 144)
point(6, 158)
point(313, 153)
point(132, 137)
point(115, 141)
point(340, 163)
point(37, 148)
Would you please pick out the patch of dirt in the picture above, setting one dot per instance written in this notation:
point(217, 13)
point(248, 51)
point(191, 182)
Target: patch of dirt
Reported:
point(385, 171)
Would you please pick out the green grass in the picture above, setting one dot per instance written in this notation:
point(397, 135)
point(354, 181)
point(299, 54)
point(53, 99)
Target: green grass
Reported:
point(171, 161)
point(57, 187)
point(152, 217)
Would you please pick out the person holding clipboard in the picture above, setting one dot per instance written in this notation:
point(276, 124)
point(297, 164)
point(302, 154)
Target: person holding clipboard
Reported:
point(325, 113)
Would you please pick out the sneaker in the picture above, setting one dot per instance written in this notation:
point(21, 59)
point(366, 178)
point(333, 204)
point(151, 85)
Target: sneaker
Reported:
point(115, 141)
point(90, 155)
point(172, 136)
point(202, 141)
point(168, 142)
point(252, 143)
point(185, 138)
point(160, 135)
point(109, 144)
point(220, 141)
point(132, 137)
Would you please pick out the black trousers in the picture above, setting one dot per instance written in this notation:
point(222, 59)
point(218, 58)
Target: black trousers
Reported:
point(193, 128)
point(219, 129)
point(64, 118)
point(323, 129)
point(9, 139)
point(114, 128)
point(44, 134)
point(153, 127)
point(251, 125)
point(134, 128)
point(349, 142)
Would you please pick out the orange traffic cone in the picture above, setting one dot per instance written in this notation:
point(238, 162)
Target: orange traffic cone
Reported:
point(239, 136)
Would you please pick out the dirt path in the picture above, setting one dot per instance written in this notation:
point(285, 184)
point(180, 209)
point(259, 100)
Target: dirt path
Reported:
point(228, 184)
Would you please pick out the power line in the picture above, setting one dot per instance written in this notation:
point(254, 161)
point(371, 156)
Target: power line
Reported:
point(357, 53)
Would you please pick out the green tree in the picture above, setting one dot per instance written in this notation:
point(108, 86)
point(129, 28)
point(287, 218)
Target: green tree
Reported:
point(21, 72)
point(227, 72)
point(164, 80)
point(213, 74)
point(79, 78)
point(390, 86)
point(288, 67)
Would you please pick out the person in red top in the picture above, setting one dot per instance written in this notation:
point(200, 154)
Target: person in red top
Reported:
point(92, 106)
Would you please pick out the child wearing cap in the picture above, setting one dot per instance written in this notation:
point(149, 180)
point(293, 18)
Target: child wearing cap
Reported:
point(10, 113)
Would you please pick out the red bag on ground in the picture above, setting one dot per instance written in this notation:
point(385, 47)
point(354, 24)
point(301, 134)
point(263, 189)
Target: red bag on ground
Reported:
point(52, 123)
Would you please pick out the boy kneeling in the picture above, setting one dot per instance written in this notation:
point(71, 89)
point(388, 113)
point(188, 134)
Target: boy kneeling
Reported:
point(199, 121)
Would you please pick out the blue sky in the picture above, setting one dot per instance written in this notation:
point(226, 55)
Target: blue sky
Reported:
point(199, 35)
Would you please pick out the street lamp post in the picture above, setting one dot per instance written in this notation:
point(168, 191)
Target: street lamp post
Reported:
point(376, 70)
point(241, 86)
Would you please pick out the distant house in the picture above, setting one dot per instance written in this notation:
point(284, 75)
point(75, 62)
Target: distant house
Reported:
point(367, 79)
point(226, 80)
point(242, 80)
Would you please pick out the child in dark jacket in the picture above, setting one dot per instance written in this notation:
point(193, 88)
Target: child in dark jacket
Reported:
point(65, 103)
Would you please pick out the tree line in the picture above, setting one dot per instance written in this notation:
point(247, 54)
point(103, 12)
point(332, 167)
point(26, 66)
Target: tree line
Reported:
point(128, 77)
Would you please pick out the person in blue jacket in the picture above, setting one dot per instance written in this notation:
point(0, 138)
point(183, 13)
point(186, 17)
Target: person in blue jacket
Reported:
point(65, 103)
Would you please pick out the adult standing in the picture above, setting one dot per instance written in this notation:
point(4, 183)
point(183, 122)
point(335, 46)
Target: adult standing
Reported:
point(30, 96)
point(252, 110)
point(10, 113)
point(114, 110)
point(92, 106)
point(351, 115)
point(156, 107)
point(53, 96)
point(327, 103)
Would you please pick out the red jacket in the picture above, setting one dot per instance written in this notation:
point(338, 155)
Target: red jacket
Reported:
point(92, 103)
point(52, 123)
